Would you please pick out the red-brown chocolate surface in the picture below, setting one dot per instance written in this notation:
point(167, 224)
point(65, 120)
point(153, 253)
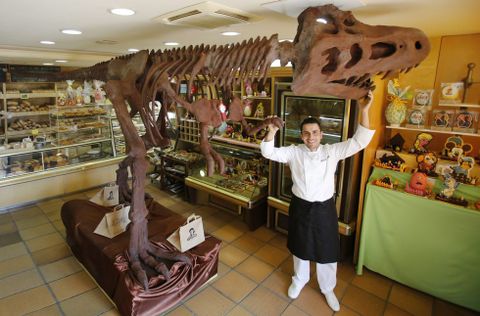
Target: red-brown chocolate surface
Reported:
point(337, 58)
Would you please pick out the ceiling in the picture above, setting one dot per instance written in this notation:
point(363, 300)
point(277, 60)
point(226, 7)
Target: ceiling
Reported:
point(24, 23)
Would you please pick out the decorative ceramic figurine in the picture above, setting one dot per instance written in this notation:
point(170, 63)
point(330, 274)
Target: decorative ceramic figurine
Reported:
point(418, 184)
point(396, 110)
point(421, 143)
point(427, 163)
point(99, 93)
point(87, 92)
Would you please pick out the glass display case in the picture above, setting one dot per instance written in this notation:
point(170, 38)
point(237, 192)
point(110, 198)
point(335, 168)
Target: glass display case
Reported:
point(38, 134)
point(81, 123)
point(242, 189)
point(15, 164)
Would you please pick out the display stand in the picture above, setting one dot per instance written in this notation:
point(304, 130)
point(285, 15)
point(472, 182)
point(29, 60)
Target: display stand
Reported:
point(106, 260)
point(426, 244)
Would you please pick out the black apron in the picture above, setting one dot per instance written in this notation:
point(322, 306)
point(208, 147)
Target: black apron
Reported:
point(313, 230)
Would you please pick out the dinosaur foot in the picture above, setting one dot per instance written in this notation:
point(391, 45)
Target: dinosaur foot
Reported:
point(153, 257)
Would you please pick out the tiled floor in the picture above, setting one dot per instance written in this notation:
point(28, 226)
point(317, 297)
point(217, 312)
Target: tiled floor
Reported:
point(39, 276)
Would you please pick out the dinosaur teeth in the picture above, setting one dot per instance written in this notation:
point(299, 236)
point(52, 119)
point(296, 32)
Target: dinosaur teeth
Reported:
point(387, 74)
point(351, 80)
point(361, 79)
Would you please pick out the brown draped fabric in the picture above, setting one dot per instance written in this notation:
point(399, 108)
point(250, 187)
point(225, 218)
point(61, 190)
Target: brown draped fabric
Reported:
point(107, 259)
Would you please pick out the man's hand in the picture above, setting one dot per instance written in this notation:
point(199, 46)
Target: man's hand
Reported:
point(273, 123)
point(366, 102)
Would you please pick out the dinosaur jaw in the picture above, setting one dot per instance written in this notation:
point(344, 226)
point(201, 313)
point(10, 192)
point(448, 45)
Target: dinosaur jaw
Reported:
point(354, 87)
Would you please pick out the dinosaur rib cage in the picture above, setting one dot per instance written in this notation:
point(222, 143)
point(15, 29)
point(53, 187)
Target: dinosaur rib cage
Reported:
point(218, 65)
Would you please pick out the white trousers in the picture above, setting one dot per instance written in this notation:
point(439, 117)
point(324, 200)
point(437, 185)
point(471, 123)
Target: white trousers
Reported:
point(326, 274)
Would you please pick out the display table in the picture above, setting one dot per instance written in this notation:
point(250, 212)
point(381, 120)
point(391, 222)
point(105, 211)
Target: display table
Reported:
point(428, 245)
point(106, 259)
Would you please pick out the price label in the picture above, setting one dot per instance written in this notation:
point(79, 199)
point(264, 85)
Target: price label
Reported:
point(34, 132)
point(24, 96)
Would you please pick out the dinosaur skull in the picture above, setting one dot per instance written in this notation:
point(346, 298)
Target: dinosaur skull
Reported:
point(339, 57)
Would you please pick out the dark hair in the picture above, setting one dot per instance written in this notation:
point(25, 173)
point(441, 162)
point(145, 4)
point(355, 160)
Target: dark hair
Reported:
point(310, 120)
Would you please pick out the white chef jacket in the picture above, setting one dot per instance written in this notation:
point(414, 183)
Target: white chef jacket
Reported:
point(313, 172)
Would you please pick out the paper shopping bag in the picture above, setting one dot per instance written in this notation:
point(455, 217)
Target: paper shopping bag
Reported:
point(189, 234)
point(114, 223)
point(107, 196)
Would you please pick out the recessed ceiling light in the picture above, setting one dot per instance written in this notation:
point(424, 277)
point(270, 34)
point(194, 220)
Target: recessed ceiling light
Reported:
point(48, 64)
point(322, 20)
point(71, 32)
point(122, 11)
point(170, 43)
point(286, 40)
point(230, 33)
point(133, 50)
point(60, 61)
point(47, 42)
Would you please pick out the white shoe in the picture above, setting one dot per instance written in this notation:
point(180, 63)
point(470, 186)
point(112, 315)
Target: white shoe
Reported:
point(294, 290)
point(332, 301)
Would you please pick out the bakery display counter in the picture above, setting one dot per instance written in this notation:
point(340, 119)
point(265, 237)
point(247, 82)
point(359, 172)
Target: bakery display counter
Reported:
point(248, 200)
point(37, 160)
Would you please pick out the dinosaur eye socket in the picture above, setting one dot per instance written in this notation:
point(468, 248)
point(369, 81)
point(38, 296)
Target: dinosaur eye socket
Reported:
point(350, 21)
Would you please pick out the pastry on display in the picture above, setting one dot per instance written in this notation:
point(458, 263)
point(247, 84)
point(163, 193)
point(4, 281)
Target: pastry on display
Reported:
point(396, 142)
point(461, 172)
point(391, 161)
point(464, 121)
point(422, 98)
point(442, 120)
point(454, 147)
point(421, 143)
point(418, 184)
point(385, 182)
point(427, 163)
point(451, 93)
point(447, 193)
point(416, 118)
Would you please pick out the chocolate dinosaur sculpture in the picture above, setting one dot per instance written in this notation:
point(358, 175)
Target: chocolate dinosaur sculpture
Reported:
point(337, 58)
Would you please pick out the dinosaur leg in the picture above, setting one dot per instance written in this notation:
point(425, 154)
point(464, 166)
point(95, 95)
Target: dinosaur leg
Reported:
point(140, 249)
point(211, 155)
point(122, 180)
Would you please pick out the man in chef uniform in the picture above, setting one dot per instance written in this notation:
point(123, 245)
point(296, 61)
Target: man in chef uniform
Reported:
point(313, 222)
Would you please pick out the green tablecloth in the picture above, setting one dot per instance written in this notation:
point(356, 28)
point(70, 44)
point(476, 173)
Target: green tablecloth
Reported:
point(428, 245)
